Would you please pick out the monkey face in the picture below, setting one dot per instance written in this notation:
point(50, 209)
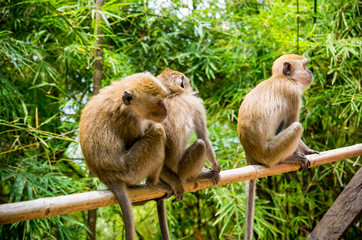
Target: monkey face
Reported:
point(151, 108)
point(302, 74)
point(145, 105)
point(174, 81)
point(157, 111)
point(308, 75)
point(144, 97)
point(297, 70)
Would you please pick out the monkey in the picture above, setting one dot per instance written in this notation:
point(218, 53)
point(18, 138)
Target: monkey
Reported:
point(268, 122)
point(122, 138)
point(186, 114)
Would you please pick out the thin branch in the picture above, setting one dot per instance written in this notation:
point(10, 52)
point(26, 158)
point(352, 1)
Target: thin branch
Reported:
point(68, 23)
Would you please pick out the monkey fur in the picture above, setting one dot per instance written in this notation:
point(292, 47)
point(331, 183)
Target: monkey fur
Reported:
point(268, 122)
point(122, 139)
point(186, 114)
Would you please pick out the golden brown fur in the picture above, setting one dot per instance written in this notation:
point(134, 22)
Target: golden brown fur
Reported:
point(268, 121)
point(186, 114)
point(271, 110)
point(122, 139)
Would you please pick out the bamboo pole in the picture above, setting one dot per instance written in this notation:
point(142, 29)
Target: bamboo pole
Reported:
point(346, 209)
point(97, 85)
point(54, 206)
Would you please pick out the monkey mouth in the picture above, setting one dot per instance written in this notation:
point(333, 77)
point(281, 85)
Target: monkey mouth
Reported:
point(159, 117)
point(307, 81)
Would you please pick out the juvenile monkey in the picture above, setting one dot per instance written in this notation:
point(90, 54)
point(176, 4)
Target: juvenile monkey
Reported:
point(268, 122)
point(122, 139)
point(186, 114)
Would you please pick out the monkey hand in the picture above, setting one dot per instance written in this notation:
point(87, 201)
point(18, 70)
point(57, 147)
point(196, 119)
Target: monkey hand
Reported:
point(156, 129)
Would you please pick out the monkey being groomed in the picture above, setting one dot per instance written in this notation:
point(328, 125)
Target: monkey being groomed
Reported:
point(122, 139)
point(268, 123)
point(186, 114)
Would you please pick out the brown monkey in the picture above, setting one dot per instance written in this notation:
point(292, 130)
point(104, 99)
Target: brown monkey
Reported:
point(268, 122)
point(186, 114)
point(122, 139)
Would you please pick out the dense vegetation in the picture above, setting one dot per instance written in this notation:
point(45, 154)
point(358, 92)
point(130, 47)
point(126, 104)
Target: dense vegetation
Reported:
point(225, 48)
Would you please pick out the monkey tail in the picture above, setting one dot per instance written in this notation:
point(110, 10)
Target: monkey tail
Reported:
point(120, 190)
point(250, 204)
point(161, 211)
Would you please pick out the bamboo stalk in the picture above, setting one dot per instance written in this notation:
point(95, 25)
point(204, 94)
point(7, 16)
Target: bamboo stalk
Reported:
point(54, 206)
point(97, 85)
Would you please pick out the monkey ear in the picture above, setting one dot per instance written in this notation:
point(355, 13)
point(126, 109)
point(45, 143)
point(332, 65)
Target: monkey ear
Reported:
point(127, 97)
point(287, 68)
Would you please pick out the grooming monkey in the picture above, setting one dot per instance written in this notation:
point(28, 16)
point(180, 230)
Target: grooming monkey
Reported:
point(186, 114)
point(122, 139)
point(268, 122)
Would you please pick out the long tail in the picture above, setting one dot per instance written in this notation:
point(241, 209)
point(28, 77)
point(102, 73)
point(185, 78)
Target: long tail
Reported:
point(250, 204)
point(161, 210)
point(120, 190)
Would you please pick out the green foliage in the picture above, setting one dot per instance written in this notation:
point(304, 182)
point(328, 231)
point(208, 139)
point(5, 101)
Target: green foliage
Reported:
point(225, 48)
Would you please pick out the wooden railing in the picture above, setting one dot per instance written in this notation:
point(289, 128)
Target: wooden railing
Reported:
point(54, 206)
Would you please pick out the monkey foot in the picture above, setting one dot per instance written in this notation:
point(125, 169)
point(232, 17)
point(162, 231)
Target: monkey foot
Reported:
point(305, 167)
point(299, 158)
point(215, 176)
point(217, 168)
point(304, 162)
point(178, 197)
point(167, 195)
point(311, 151)
point(210, 173)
